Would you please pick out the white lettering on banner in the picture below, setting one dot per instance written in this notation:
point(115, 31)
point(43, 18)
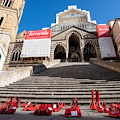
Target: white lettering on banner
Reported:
point(101, 29)
point(32, 33)
point(37, 44)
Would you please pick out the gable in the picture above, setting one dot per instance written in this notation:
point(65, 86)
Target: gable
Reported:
point(71, 13)
point(84, 34)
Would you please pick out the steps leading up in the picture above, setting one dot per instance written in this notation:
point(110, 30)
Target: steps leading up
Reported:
point(52, 86)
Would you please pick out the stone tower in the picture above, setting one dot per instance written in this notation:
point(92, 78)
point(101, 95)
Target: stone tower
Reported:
point(10, 16)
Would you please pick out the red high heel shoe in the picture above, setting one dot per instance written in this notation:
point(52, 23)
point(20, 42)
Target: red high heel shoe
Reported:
point(24, 104)
point(74, 110)
point(114, 110)
point(93, 105)
point(99, 107)
point(38, 110)
point(29, 104)
point(47, 110)
point(32, 108)
point(105, 107)
point(63, 105)
point(6, 105)
point(13, 106)
point(56, 107)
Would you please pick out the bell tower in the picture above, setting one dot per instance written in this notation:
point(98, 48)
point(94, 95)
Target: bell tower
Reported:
point(10, 16)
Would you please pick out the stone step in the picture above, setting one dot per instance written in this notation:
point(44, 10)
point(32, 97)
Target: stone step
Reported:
point(63, 82)
point(57, 84)
point(60, 90)
point(62, 96)
point(60, 80)
point(57, 93)
point(62, 87)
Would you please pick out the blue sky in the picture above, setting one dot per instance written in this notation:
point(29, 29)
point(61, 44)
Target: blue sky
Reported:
point(41, 13)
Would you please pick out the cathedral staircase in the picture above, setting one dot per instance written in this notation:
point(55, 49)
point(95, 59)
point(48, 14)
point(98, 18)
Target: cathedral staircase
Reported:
point(65, 81)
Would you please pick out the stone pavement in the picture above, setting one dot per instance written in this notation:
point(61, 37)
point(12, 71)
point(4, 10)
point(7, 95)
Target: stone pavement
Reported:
point(87, 114)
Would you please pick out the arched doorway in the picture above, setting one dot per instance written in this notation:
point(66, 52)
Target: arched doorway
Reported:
point(60, 53)
point(74, 49)
point(89, 52)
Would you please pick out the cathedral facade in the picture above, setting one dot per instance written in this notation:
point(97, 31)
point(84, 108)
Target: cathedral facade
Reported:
point(74, 39)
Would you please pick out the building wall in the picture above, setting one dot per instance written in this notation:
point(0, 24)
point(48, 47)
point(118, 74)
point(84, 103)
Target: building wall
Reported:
point(115, 32)
point(10, 15)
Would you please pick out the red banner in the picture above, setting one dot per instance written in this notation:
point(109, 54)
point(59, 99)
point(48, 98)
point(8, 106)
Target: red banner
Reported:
point(38, 34)
point(103, 31)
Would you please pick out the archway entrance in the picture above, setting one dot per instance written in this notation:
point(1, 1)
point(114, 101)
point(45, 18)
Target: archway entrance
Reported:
point(74, 49)
point(60, 53)
point(89, 52)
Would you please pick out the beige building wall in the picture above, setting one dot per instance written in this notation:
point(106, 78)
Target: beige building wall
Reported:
point(115, 32)
point(10, 15)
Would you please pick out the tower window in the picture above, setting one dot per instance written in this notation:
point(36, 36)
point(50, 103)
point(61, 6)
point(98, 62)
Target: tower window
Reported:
point(9, 3)
point(6, 3)
point(1, 20)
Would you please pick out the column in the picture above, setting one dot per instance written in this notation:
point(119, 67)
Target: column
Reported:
point(66, 55)
point(82, 55)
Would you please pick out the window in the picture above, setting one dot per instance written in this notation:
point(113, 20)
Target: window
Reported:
point(9, 3)
point(6, 3)
point(1, 20)
point(16, 55)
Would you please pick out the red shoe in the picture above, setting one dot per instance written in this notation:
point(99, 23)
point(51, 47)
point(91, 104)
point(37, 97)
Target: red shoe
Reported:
point(74, 110)
point(63, 105)
point(32, 108)
point(47, 110)
point(29, 104)
point(39, 109)
point(67, 112)
point(55, 108)
point(24, 104)
point(113, 112)
point(6, 105)
point(105, 107)
point(12, 108)
point(98, 105)
point(60, 105)
point(1, 105)
point(93, 105)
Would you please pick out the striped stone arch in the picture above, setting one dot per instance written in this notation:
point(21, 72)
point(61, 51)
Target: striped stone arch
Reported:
point(55, 45)
point(95, 45)
point(59, 43)
point(71, 32)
